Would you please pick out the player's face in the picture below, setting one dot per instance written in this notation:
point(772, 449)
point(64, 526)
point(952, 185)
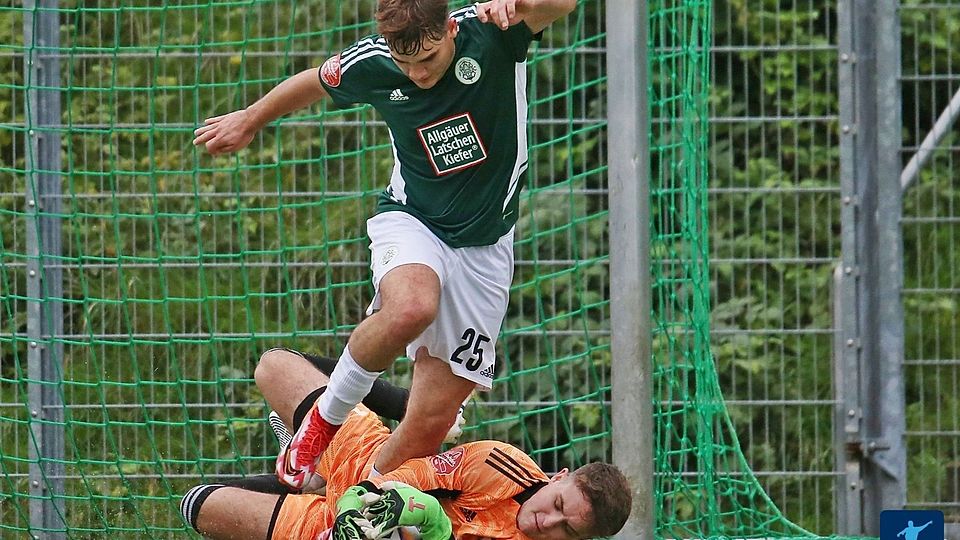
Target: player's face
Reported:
point(559, 511)
point(432, 60)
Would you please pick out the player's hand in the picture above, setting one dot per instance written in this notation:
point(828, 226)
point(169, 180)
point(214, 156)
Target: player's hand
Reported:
point(503, 13)
point(357, 497)
point(405, 506)
point(225, 133)
point(350, 525)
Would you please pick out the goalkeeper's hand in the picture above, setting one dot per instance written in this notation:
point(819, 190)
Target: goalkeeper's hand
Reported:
point(350, 524)
point(401, 505)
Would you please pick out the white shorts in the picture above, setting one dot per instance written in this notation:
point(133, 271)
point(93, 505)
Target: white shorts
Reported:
point(474, 290)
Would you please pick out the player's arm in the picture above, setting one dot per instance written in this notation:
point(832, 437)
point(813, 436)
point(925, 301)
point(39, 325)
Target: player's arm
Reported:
point(421, 474)
point(479, 472)
point(234, 131)
point(537, 14)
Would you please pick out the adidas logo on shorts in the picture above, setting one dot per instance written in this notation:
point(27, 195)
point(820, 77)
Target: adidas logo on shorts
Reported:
point(488, 372)
point(397, 95)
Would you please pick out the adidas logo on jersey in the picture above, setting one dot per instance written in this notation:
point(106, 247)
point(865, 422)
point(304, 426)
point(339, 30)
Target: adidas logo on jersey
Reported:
point(397, 95)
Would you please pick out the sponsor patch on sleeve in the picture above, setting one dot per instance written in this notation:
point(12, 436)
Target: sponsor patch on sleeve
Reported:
point(330, 71)
point(448, 461)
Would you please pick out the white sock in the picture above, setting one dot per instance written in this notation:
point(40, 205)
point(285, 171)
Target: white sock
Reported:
point(349, 384)
point(373, 473)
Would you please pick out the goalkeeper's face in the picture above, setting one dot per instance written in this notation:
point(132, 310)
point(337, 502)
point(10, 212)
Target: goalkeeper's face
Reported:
point(428, 65)
point(559, 511)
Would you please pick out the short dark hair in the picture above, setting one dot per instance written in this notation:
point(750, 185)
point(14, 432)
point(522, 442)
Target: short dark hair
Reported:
point(405, 24)
point(609, 495)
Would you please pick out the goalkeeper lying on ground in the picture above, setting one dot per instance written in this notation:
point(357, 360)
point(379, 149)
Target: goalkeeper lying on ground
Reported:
point(479, 490)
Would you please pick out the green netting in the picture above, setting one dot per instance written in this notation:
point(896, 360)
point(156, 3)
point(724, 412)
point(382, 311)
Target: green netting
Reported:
point(175, 270)
point(704, 487)
point(179, 269)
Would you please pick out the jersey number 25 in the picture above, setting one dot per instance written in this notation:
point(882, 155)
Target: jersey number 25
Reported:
point(473, 339)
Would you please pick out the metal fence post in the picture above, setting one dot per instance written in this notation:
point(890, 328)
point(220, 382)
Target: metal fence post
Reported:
point(629, 199)
point(847, 344)
point(44, 274)
point(871, 327)
point(887, 471)
point(846, 383)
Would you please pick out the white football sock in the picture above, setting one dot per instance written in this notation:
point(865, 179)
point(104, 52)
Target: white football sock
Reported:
point(349, 384)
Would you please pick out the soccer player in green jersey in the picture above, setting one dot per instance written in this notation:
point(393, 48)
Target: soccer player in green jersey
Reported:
point(451, 88)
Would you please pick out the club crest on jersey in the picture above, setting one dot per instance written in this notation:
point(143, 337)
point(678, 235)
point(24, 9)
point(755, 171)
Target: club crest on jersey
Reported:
point(330, 71)
point(452, 144)
point(388, 255)
point(448, 461)
point(467, 70)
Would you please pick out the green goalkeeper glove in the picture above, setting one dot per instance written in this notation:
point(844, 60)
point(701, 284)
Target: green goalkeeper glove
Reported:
point(350, 524)
point(355, 497)
point(404, 506)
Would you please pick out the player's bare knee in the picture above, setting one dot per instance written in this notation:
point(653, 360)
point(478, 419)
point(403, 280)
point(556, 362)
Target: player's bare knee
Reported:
point(273, 364)
point(409, 320)
point(269, 365)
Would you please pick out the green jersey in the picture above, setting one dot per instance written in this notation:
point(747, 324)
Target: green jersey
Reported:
point(460, 147)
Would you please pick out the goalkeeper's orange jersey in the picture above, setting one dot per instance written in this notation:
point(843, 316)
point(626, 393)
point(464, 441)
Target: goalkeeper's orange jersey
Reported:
point(480, 484)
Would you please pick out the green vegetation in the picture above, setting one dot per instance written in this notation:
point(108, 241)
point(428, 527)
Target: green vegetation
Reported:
point(182, 268)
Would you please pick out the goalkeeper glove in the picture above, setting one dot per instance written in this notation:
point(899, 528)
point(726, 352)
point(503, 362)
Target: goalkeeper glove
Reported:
point(401, 506)
point(350, 524)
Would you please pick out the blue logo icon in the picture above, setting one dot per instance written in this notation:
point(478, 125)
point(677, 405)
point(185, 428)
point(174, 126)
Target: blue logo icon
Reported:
point(911, 525)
